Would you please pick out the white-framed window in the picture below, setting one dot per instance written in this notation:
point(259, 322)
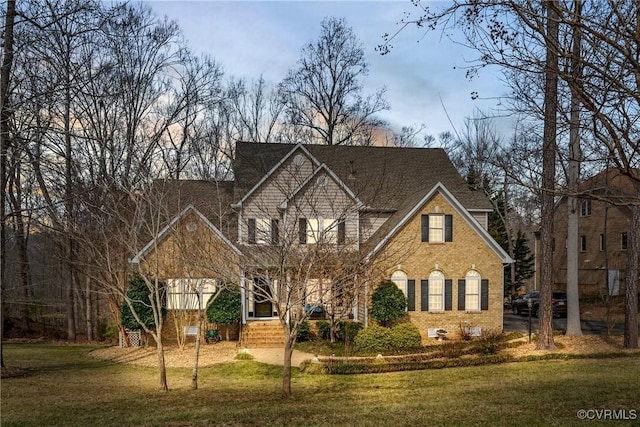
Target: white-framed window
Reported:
point(472, 291)
point(189, 294)
point(262, 231)
point(436, 291)
point(320, 230)
point(436, 228)
point(585, 207)
point(400, 278)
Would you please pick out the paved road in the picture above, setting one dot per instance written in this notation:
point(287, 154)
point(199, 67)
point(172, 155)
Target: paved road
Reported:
point(513, 322)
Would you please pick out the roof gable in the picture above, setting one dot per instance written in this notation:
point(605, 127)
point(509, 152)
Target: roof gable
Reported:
point(381, 177)
point(386, 234)
point(166, 231)
point(296, 148)
point(316, 173)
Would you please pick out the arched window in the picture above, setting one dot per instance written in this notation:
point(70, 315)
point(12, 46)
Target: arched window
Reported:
point(472, 290)
point(436, 291)
point(399, 277)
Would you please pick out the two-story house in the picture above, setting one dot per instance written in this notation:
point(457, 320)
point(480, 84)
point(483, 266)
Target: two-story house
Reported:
point(334, 221)
point(603, 230)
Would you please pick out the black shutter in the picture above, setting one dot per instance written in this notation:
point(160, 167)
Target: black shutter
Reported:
point(411, 295)
point(302, 230)
point(342, 232)
point(251, 236)
point(484, 294)
point(424, 295)
point(448, 228)
point(425, 228)
point(275, 232)
point(462, 285)
point(448, 294)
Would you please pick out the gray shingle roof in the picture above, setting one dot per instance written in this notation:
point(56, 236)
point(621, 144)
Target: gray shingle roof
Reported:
point(382, 177)
point(387, 179)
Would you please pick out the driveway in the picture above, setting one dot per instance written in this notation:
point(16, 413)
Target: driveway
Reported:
point(513, 322)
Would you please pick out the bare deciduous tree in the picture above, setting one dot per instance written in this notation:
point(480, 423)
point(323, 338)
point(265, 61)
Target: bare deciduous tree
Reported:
point(323, 94)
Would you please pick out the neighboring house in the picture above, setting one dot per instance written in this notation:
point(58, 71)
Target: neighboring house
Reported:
point(404, 214)
point(603, 232)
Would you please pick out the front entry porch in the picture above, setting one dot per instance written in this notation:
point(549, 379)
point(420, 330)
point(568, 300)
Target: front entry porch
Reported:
point(262, 333)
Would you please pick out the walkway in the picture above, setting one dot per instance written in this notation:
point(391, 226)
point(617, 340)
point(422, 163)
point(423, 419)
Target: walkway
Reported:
point(275, 356)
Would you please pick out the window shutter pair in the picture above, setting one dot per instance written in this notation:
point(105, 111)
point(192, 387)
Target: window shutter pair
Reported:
point(275, 231)
point(448, 228)
point(424, 295)
point(484, 294)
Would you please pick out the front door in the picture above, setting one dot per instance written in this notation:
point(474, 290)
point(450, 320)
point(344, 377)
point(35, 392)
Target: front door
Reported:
point(261, 296)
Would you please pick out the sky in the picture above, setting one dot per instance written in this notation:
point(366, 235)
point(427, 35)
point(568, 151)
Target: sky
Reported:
point(424, 75)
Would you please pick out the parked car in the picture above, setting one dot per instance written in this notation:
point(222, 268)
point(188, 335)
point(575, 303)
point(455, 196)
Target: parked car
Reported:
point(558, 301)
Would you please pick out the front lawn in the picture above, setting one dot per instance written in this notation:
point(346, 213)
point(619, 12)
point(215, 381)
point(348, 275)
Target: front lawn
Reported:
point(63, 386)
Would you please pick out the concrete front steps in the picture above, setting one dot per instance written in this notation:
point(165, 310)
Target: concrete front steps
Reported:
point(262, 334)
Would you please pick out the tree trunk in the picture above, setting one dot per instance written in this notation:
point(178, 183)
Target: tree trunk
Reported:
point(7, 63)
point(545, 321)
point(631, 282)
point(162, 368)
point(286, 373)
point(573, 295)
point(20, 237)
point(196, 355)
point(88, 310)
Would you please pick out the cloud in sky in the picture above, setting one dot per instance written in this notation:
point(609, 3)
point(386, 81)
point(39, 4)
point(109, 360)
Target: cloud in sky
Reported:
point(253, 38)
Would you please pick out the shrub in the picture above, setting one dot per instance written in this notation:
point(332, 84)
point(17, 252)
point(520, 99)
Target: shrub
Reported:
point(226, 307)
point(138, 294)
point(374, 337)
point(405, 335)
point(489, 343)
point(304, 332)
point(244, 356)
point(347, 331)
point(324, 329)
point(387, 303)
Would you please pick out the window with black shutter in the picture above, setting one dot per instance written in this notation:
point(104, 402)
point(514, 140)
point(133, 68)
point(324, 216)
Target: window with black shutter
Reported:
point(461, 294)
point(484, 294)
point(424, 295)
point(302, 231)
point(425, 228)
point(275, 232)
point(448, 228)
point(411, 295)
point(342, 233)
point(448, 294)
point(251, 236)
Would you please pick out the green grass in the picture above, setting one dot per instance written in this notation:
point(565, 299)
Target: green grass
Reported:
point(64, 387)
